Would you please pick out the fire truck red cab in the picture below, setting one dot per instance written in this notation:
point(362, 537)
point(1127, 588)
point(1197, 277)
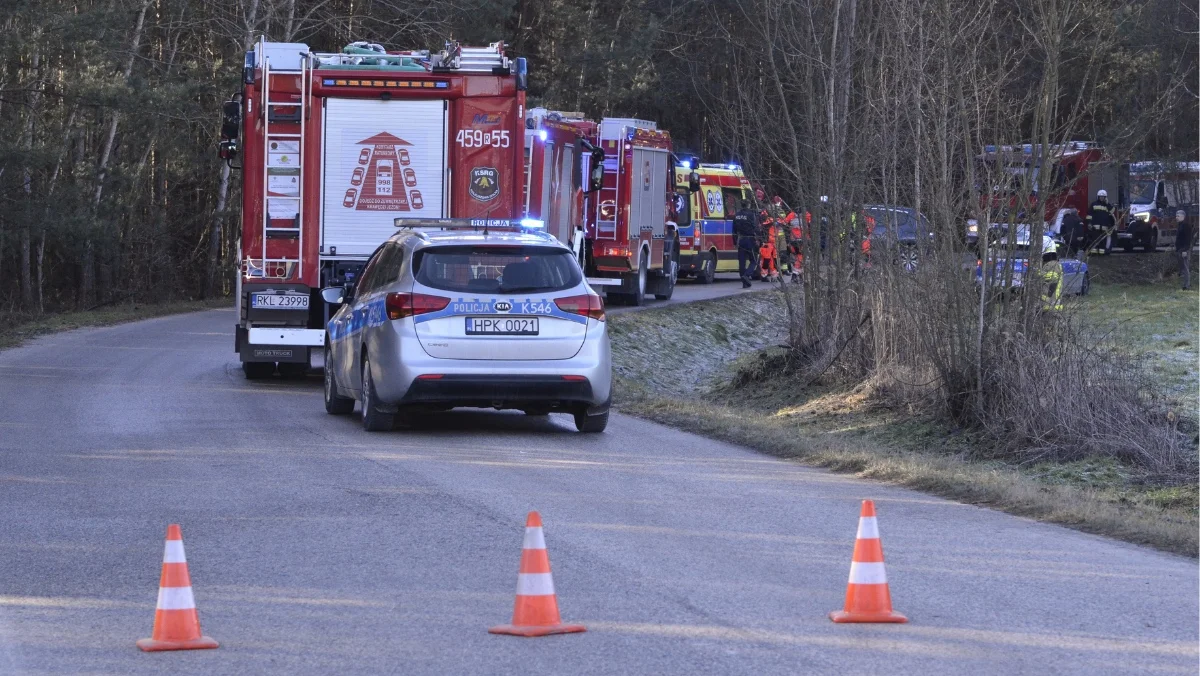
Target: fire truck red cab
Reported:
point(1079, 170)
point(335, 148)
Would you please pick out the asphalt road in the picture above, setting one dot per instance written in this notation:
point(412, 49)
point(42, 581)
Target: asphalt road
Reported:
point(315, 547)
point(689, 290)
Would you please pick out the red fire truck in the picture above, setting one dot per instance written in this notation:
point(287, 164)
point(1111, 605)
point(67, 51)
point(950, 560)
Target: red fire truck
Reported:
point(630, 246)
point(335, 147)
point(558, 159)
point(1079, 170)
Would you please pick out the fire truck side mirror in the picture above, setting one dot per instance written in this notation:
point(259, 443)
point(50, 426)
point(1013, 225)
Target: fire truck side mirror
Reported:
point(228, 150)
point(596, 180)
point(231, 125)
point(694, 182)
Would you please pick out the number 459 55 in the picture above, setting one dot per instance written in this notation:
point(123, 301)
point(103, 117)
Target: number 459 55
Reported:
point(478, 138)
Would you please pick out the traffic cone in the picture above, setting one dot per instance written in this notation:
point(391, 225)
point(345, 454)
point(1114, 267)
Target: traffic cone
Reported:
point(535, 612)
point(176, 622)
point(867, 595)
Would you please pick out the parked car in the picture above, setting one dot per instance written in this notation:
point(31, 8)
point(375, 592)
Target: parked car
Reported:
point(1013, 272)
point(446, 319)
point(900, 231)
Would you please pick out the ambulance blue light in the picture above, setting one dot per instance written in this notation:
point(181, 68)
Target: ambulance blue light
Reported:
point(542, 134)
point(532, 222)
point(733, 167)
point(685, 164)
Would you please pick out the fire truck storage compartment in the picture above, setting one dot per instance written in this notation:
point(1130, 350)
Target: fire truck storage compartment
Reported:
point(648, 188)
point(399, 146)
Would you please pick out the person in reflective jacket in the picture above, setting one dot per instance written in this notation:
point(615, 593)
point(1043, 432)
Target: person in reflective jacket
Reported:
point(1101, 221)
point(1052, 278)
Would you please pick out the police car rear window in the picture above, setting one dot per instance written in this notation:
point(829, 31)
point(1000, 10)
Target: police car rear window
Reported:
point(496, 270)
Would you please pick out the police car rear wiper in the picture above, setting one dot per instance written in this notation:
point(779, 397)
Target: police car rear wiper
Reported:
point(520, 289)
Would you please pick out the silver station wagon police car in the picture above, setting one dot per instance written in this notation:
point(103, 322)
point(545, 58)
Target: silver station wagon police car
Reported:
point(442, 318)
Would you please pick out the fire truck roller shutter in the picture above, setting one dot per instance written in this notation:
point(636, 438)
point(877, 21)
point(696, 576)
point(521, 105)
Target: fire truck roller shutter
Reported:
point(402, 147)
point(648, 190)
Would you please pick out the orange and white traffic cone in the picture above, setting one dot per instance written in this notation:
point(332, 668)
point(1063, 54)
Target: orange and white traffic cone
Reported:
point(535, 612)
point(867, 596)
point(176, 622)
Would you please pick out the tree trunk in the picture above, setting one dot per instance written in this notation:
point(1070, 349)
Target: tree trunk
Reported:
point(87, 292)
point(27, 179)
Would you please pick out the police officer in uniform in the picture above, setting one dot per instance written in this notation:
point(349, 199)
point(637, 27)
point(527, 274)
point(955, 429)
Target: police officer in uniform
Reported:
point(1101, 222)
point(745, 229)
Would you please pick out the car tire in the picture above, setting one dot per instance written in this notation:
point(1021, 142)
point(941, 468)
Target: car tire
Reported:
point(258, 370)
point(335, 404)
point(671, 274)
point(373, 420)
point(1086, 285)
point(638, 297)
point(909, 258)
point(591, 424)
point(1151, 243)
point(708, 268)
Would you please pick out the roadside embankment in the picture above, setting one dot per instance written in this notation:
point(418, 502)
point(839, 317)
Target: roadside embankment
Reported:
point(713, 368)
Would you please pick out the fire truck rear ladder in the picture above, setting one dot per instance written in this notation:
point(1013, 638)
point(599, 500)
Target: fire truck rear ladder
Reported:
point(285, 265)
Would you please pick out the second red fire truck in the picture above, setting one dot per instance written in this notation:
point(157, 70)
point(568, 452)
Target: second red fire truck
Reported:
point(618, 213)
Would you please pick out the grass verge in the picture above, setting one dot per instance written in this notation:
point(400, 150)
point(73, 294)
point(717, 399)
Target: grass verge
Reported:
point(15, 329)
point(847, 431)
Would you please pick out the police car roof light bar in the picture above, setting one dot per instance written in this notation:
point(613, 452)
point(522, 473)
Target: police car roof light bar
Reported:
point(473, 224)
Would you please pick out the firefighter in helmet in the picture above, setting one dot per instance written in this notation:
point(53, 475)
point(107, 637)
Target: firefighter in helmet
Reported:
point(1052, 277)
point(1101, 221)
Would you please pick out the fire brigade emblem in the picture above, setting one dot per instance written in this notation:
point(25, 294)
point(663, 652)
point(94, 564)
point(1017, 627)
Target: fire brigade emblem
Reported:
point(485, 184)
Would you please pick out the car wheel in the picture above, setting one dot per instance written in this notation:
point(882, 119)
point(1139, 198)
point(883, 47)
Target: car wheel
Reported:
point(373, 420)
point(909, 258)
point(257, 370)
point(638, 297)
point(1127, 246)
point(708, 268)
point(1151, 243)
point(335, 404)
point(591, 424)
point(671, 274)
point(1086, 286)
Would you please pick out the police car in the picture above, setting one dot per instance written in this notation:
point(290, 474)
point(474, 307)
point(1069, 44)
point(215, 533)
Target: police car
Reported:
point(448, 314)
point(1076, 278)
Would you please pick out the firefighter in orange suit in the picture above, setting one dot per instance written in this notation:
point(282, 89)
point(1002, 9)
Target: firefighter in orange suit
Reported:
point(769, 254)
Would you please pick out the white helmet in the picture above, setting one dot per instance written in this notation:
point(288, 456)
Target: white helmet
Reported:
point(1048, 245)
point(1101, 193)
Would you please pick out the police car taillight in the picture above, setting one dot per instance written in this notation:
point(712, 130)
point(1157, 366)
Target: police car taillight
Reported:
point(401, 305)
point(587, 305)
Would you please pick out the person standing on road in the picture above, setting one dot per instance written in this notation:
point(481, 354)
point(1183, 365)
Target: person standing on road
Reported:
point(1184, 238)
point(1100, 222)
point(745, 230)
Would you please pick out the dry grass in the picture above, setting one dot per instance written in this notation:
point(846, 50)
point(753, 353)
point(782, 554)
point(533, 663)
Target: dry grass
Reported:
point(15, 329)
point(757, 401)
